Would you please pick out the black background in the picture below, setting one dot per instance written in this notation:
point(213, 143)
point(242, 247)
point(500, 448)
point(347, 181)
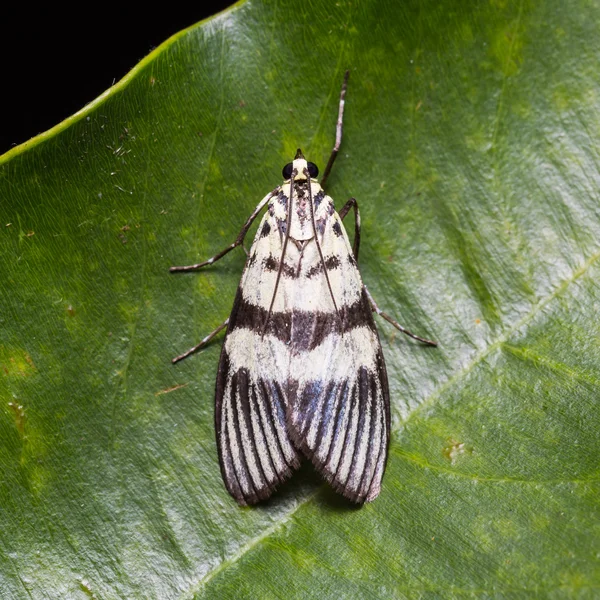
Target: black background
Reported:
point(55, 59)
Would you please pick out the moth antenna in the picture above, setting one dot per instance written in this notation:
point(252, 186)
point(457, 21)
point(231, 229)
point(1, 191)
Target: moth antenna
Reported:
point(285, 243)
point(314, 226)
point(338, 130)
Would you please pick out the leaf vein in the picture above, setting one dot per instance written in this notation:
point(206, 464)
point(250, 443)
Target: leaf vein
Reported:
point(502, 339)
point(423, 462)
point(246, 548)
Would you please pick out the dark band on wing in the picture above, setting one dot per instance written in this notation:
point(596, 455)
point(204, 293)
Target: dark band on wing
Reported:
point(266, 230)
point(318, 198)
point(305, 330)
point(332, 262)
point(270, 264)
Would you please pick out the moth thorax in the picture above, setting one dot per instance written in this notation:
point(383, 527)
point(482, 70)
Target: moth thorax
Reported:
point(301, 195)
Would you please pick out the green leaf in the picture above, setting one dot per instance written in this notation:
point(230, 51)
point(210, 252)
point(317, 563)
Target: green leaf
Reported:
point(471, 144)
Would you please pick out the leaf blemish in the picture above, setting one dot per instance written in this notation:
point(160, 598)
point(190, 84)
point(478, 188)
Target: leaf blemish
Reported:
point(19, 416)
point(84, 584)
point(453, 449)
point(20, 364)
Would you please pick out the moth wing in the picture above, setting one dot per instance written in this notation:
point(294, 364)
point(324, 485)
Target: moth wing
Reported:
point(340, 413)
point(255, 452)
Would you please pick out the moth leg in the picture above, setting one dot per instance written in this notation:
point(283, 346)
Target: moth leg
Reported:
point(394, 322)
point(338, 131)
point(203, 343)
point(238, 241)
point(352, 203)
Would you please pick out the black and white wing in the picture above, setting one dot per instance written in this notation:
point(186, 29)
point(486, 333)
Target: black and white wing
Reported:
point(339, 412)
point(314, 381)
point(255, 451)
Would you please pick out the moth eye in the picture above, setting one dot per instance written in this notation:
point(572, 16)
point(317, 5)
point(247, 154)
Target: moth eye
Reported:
point(313, 170)
point(287, 171)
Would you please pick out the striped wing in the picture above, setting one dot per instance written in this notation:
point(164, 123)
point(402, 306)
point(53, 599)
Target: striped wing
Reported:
point(339, 404)
point(255, 452)
point(314, 382)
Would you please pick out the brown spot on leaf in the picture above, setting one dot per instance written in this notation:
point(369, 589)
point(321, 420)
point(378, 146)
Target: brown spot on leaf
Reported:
point(18, 365)
point(19, 416)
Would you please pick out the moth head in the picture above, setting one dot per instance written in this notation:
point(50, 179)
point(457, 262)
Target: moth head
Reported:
point(300, 165)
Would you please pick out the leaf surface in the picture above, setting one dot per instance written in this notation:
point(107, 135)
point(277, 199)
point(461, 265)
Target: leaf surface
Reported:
point(471, 144)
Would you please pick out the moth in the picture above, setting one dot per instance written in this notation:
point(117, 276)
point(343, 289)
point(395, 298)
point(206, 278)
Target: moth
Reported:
point(301, 372)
